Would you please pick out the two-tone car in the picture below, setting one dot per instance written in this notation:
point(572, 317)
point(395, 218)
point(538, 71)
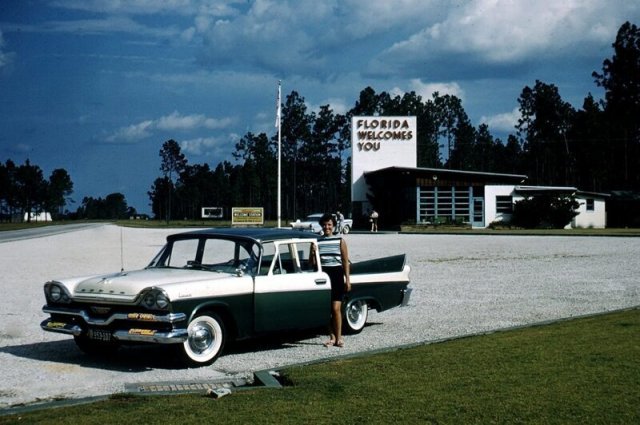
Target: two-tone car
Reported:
point(312, 224)
point(207, 287)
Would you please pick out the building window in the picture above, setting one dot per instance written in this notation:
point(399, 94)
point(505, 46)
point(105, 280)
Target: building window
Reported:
point(504, 204)
point(590, 205)
point(444, 204)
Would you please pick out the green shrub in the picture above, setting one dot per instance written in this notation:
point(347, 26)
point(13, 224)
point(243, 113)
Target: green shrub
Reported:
point(544, 211)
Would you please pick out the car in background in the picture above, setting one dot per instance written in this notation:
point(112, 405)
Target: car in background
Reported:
point(208, 287)
point(310, 223)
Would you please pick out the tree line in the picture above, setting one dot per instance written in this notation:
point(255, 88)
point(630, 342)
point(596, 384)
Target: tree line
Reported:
point(23, 188)
point(595, 148)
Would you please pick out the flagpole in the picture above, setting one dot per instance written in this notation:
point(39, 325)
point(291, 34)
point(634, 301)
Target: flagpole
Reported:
point(278, 119)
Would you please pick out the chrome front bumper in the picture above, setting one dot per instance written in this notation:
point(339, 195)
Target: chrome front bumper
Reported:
point(133, 333)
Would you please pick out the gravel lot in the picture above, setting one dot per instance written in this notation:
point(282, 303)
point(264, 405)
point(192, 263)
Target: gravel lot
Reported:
point(462, 284)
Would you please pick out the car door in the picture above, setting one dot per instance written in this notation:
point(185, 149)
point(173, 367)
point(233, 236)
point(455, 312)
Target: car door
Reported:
point(289, 292)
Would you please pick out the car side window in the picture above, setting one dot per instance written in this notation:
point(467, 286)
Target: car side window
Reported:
point(286, 258)
point(304, 253)
point(252, 261)
point(268, 256)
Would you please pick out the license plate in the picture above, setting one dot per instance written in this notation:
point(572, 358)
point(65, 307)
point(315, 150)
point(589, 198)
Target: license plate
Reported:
point(99, 335)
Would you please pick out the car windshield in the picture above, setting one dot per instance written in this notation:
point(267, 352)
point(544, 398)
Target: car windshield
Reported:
point(220, 255)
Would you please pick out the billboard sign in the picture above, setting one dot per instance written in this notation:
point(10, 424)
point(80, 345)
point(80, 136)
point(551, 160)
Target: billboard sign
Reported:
point(247, 215)
point(212, 212)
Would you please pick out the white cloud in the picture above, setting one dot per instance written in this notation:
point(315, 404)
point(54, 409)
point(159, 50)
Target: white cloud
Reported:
point(132, 133)
point(275, 36)
point(426, 90)
point(307, 36)
point(175, 121)
point(115, 16)
point(507, 30)
point(108, 25)
point(202, 23)
point(150, 7)
point(215, 147)
point(199, 145)
point(502, 122)
point(367, 17)
point(188, 34)
point(402, 37)
point(172, 122)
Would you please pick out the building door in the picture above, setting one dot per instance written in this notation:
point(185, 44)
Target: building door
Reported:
point(477, 215)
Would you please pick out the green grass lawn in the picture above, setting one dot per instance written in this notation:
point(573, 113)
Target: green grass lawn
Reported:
point(582, 371)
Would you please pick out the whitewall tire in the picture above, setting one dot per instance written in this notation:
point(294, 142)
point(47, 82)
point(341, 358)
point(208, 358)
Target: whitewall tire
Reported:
point(355, 316)
point(205, 341)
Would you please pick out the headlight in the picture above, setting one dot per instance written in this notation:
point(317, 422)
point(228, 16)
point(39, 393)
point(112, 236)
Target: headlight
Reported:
point(56, 293)
point(162, 301)
point(155, 299)
point(149, 300)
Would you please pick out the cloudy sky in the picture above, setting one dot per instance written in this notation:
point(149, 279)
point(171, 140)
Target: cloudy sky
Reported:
point(96, 86)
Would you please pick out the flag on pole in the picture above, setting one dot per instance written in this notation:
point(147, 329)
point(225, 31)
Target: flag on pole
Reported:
point(278, 106)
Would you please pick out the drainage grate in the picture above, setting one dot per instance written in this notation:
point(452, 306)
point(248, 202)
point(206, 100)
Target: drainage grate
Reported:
point(264, 379)
point(185, 386)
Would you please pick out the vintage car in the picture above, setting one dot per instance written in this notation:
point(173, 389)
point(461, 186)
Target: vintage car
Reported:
point(311, 223)
point(207, 287)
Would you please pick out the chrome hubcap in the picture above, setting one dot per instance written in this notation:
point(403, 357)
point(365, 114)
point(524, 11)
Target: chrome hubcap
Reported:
point(355, 313)
point(201, 338)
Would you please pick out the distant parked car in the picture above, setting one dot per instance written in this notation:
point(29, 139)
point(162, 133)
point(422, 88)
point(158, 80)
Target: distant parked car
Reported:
point(207, 287)
point(311, 224)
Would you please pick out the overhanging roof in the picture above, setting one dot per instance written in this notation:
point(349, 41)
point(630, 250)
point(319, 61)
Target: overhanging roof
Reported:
point(447, 174)
point(545, 189)
point(558, 190)
point(593, 194)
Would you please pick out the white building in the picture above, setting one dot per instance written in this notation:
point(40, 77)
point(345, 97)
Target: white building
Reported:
point(31, 216)
point(591, 210)
point(406, 195)
point(385, 176)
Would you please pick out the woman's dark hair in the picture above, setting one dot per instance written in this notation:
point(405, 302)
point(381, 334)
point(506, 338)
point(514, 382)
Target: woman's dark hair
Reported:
point(327, 217)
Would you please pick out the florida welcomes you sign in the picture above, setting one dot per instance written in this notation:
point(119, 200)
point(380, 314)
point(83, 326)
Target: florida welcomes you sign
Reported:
point(380, 142)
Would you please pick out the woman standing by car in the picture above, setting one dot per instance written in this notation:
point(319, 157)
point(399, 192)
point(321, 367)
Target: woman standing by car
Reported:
point(334, 258)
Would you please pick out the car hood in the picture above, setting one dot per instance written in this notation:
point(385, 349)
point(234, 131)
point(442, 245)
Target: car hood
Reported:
point(125, 286)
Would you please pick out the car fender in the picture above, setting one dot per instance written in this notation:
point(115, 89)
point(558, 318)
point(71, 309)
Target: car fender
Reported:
point(223, 310)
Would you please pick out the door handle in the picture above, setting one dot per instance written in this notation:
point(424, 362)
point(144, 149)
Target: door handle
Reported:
point(321, 281)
